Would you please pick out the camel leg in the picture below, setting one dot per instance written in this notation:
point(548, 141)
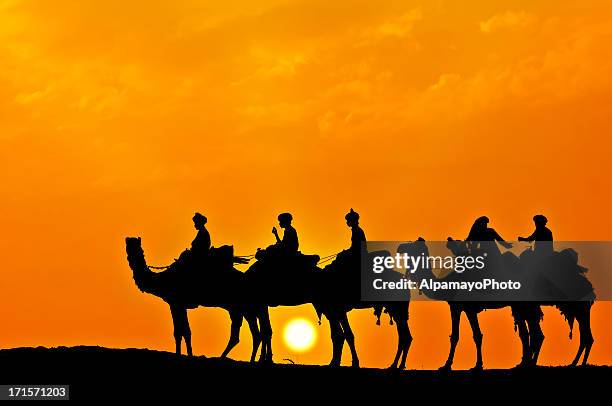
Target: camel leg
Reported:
point(454, 337)
point(524, 335)
point(585, 331)
point(586, 336)
point(266, 334)
point(181, 328)
point(407, 341)
point(404, 338)
point(349, 337)
point(337, 341)
point(187, 335)
point(536, 338)
point(407, 337)
point(579, 353)
point(254, 327)
point(477, 334)
point(234, 338)
point(400, 346)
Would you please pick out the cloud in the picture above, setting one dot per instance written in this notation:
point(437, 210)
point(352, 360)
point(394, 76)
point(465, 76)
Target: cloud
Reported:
point(31, 97)
point(275, 65)
point(507, 20)
point(398, 27)
point(445, 80)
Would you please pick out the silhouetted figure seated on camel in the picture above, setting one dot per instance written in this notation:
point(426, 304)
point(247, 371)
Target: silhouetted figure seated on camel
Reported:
point(553, 275)
point(348, 261)
point(202, 257)
point(344, 272)
point(200, 246)
point(283, 256)
point(482, 238)
point(282, 274)
point(482, 242)
point(542, 236)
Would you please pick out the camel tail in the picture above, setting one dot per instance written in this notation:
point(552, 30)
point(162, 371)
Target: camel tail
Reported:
point(569, 316)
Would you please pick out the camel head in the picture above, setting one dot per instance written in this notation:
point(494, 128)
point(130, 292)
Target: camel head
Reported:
point(414, 248)
point(137, 262)
point(458, 248)
point(133, 248)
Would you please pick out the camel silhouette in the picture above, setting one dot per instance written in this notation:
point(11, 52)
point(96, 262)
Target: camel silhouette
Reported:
point(333, 294)
point(527, 315)
point(336, 311)
point(186, 289)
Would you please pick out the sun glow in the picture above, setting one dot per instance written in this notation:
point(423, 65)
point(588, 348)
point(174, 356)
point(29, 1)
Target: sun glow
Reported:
point(299, 335)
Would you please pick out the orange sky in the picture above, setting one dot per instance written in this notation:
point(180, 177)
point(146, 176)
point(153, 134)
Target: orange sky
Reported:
point(123, 118)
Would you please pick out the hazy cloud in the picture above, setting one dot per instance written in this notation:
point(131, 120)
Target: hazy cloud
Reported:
point(508, 19)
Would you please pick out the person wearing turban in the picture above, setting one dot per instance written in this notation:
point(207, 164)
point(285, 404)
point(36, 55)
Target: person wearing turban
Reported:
point(357, 235)
point(289, 243)
point(542, 236)
point(200, 245)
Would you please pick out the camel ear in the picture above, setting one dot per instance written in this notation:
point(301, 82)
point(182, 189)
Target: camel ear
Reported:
point(138, 239)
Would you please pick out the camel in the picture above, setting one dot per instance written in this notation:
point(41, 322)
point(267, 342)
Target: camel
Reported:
point(527, 315)
point(471, 309)
point(325, 293)
point(336, 311)
point(182, 290)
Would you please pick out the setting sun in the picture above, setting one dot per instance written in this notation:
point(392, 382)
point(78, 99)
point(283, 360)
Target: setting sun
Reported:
point(299, 335)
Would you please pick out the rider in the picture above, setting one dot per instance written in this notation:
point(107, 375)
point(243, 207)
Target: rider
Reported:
point(357, 235)
point(480, 232)
point(200, 246)
point(542, 236)
point(289, 244)
point(358, 240)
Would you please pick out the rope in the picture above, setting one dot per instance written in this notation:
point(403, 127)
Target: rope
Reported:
point(327, 259)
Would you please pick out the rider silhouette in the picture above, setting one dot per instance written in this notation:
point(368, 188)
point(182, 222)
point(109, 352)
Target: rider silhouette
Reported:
point(481, 233)
point(289, 244)
point(358, 240)
point(542, 236)
point(357, 235)
point(200, 246)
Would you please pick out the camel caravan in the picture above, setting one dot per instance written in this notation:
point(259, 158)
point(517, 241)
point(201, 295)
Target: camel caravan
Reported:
point(282, 276)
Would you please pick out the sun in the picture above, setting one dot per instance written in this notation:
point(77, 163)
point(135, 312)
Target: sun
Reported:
point(299, 335)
